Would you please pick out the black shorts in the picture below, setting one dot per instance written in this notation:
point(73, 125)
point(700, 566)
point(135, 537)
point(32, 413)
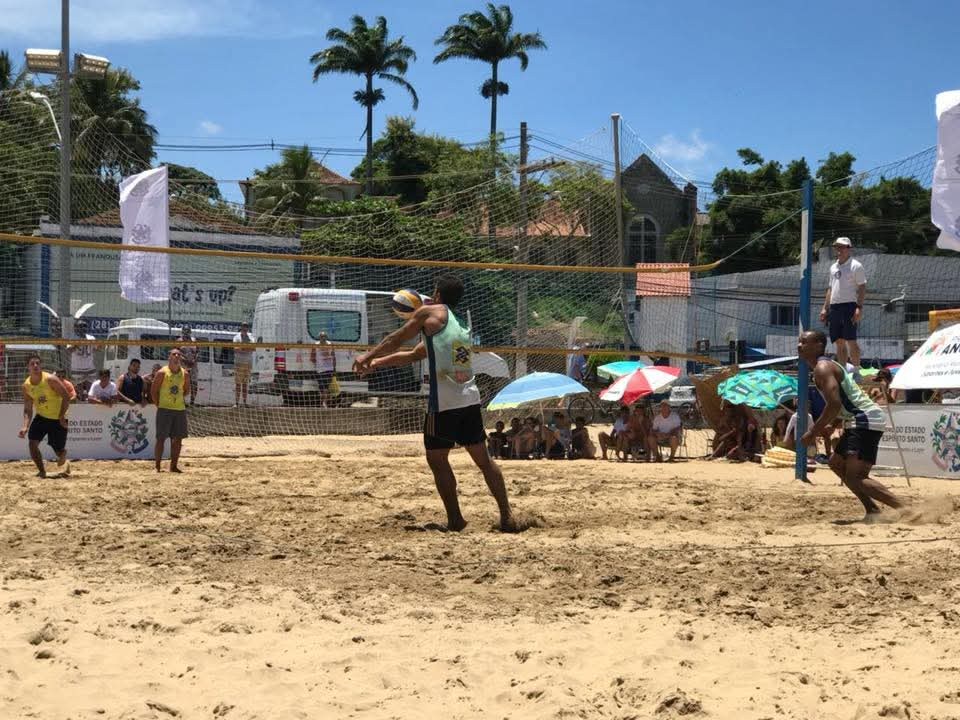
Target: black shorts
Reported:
point(862, 443)
point(842, 326)
point(52, 430)
point(461, 426)
point(323, 380)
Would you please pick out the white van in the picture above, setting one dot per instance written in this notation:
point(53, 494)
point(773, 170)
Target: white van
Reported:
point(299, 315)
point(215, 384)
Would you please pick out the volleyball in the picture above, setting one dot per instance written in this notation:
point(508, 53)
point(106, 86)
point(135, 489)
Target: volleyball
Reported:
point(405, 303)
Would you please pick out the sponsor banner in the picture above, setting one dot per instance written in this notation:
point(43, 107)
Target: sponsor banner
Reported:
point(928, 436)
point(936, 365)
point(96, 433)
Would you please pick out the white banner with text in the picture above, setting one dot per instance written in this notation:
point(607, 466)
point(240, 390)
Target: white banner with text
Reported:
point(928, 436)
point(96, 433)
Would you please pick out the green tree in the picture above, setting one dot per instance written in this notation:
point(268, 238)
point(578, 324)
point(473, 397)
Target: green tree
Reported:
point(893, 214)
point(284, 191)
point(113, 136)
point(489, 38)
point(366, 51)
point(189, 181)
point(10, 78)
point(836, 169)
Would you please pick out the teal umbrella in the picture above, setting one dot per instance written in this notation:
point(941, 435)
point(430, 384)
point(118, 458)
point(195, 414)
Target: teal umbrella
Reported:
point(619, 368)
point(762, 389)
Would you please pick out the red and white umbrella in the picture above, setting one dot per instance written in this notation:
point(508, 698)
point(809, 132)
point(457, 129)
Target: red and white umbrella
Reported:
point(642, 381)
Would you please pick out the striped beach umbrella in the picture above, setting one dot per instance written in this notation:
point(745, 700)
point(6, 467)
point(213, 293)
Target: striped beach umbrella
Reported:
point(642, 381)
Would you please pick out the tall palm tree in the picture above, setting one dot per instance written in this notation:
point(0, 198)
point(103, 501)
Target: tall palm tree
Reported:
point(365, 50)
point(489, 38)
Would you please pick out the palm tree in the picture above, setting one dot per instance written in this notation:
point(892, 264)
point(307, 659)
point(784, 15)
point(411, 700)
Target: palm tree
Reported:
point(284, 190)
point(111, 128)
point(489, 38)
point(365, 51)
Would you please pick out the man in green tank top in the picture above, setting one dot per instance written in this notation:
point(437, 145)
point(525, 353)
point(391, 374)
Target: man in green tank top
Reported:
point(863, 425)
point(453, 414)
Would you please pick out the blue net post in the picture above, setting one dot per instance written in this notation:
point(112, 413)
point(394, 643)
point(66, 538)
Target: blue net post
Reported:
point(803, 372)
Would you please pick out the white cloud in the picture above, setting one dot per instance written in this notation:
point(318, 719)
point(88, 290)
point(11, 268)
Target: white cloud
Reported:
point(209, 127)
point(670, 147)
point(38, 21)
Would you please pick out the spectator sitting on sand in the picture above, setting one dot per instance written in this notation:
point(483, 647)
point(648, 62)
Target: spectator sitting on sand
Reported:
point(497, 442)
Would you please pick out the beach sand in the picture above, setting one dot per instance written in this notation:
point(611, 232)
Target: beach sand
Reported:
point(303, 586)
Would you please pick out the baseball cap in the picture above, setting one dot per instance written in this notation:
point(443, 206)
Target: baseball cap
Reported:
point(844, 241)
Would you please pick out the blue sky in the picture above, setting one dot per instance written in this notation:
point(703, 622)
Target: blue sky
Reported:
point(696, 80)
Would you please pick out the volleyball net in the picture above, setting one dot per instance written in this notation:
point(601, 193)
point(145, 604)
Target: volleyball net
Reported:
point(557, 272)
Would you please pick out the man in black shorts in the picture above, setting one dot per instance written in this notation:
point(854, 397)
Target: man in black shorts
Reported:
point(453, 405)
point(49, 397)
point(863, 423)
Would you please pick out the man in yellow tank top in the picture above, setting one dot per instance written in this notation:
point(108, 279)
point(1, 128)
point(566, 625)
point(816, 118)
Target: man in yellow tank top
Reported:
point(45, 394)
point(169, 388)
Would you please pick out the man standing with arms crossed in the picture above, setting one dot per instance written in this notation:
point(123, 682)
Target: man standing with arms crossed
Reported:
point(843, 303)
point(453, 405)
point(44, 393)
point(863, 425)
point(168, 390)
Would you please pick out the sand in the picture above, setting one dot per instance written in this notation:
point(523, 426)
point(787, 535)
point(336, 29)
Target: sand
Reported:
point(299, 586)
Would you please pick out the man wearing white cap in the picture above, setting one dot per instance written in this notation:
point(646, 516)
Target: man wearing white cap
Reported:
point(843, 304)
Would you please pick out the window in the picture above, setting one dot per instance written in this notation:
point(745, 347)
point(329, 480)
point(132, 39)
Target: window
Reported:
point(917, 312)
point(339, 325)
point(642, 240)
point(123, 350)
point(785, 315)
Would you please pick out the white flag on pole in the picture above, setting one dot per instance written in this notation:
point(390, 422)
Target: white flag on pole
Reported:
point(945, 197)
point(144, 207)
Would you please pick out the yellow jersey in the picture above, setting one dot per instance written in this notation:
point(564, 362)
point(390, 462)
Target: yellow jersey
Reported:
point(170, 396)
point(46, 400)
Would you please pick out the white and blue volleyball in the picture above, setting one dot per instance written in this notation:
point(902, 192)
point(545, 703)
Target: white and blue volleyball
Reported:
point(405, 303)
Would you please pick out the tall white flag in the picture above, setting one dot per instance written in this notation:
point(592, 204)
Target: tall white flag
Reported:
point(144, 207)
point(945, 198)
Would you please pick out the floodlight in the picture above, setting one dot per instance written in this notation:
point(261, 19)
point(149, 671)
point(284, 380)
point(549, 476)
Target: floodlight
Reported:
point(89, 66)
point(42, 61)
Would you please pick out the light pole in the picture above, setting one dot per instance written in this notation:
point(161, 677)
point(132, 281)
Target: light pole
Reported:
point(58, 62)
point(40, 97)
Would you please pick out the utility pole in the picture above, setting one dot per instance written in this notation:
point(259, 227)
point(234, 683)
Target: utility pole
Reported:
point(522, 253)
point(66, 327)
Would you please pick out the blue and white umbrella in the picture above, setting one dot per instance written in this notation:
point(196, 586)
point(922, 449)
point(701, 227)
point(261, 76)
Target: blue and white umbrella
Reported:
point(536, 387)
